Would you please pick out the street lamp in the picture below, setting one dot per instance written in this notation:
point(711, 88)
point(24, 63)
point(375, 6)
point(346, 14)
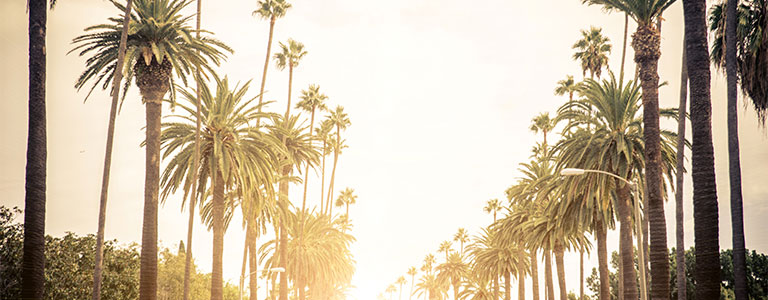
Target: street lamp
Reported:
point(272, 270)
point(638, 221)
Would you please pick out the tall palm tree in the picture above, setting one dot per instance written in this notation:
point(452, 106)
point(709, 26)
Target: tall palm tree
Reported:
point(545, 124)
point(608, 8)
point(346, 197)
point(429, 260)
point(33, 259)
point(707, 273)
point(269, 10)
point(96, 295)
point(453, 270)
point(323, 133)
point(311, 101)
point(341, 121)
point(492, 207)
point(462, 237)
point(290, 56)
point(444, 247)
point(734, 16)
point(153, 55)
point(566, 86)
point(751, 49)
point(235, 157)
point(432, 286)
point(390, 290)
point(495, 258)
point(647, 44)
point(411, 272)
point(679, 211)
point(592, 51)
point(400, 281)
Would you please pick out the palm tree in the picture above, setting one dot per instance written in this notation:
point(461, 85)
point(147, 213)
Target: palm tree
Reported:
point(429, 260)
point(431, 286)
point(492, 206)
point(707, 274)
point(340, 120)
point(462, 237)
point(453, 270)
point(346, 197)
point(477, 288)
point(390, 290)
point(751, 48)
point(445, 246)
point(608, 8)
point(679, 211)
point(647, 42)
point(33, 258)
point(545, 124)
point(323, 133)
point(495, 258)
point(592, 50)
point(311, 101)
point(566, 86)
point(153, 54)
point(291, 55)
point(411, 272)
point(400, 281)
point(269, 10)
point(235, 157)
point(731, 69)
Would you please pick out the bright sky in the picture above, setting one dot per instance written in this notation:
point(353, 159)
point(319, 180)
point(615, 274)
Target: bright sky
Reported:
point(440, 94)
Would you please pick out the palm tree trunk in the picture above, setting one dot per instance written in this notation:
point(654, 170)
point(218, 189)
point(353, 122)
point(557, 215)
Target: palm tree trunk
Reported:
point(322, 182)
point(193, 194)
point(705, 211)
point(495, 287)
point(266, 65)
point(413, 277)
point(245, 262)
point(521, 284)
point(548, 275)
point(534, 275)
point(646, 42)
point(620, 271)
point(148, 269)
point(118, 77)
point(306, 169)
point(625, 242)
point(507, 286)
point(290, 83)
point(581, 274)
point(301, 287)
point(333, 171)
point(217, 279)
point(33, 259)
point(253, 263)
point(602, 259)
point(282, 262)
point(623, 50)
point(679, 210)
point(560, 264)
point(734, 163)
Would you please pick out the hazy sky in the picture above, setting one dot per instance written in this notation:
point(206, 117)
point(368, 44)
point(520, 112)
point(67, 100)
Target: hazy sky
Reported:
point(440, 95)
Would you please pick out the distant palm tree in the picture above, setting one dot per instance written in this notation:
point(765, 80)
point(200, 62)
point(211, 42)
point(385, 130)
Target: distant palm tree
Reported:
point(453, 270)
point(235, 158)
point(566, 86)
point(346, 197)
point(160, 44)
point(431, 286)
point(429, 260)
point(592, 51)
point(411, 272)
point(323, 133)
point(707, 274)
point(269, 10)
point(607, 7)
point(290, 56)
point(390, 290)
point(341, 121)
point(545, 124)
point(477, 288)
point(495, 259)
point(462, 237)
point(400, 281)
point(492, 206)
point(311, 101)
point(445, 246)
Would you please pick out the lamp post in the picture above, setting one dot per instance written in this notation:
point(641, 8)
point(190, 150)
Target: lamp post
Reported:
point(272, 270)
point(638, 221)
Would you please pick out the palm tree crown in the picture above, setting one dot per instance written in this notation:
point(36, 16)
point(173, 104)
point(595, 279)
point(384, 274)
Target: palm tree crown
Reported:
point(592, 50)
point(272, 9)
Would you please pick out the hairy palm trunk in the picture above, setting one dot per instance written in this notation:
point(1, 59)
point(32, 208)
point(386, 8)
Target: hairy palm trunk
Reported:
point(548, 275)
point(253, 264)
point(266, 65)
point(322, 181)
point(734, 163)
point(306, 169)
point(705, 211)
point(679, 210)
point(534, 275)
point(118, 77)
point(153, 83)
point(217, 279)
point(560, 264)
point(602, 260)
point(507, 287)
point(646, 42)
point(33, 260)
point(283, 261)
point(629, 277)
